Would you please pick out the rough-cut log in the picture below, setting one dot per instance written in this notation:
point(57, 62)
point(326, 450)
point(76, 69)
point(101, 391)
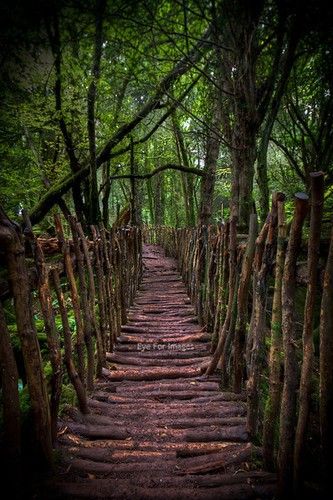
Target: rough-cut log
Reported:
point(10, 400)
point(271, 417)
point(68, 356)
point(11, 239)
point(152, 374)
point(92, 299)
point(45, 299)
point(99, 432)
point(232, 285)
point(317, 201)
point(86, 312)
point(75, 299)
point(326, 370)
point(259, 319)
point(235, 434)
point(242, 305)
point(101, 293)
point(288, 403)
point(216, 461)
point(128, 361)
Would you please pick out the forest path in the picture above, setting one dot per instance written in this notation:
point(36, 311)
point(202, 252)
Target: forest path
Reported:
point(157, 428)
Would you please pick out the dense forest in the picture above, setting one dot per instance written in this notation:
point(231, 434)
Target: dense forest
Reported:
point(97, 98)
point(204, 127)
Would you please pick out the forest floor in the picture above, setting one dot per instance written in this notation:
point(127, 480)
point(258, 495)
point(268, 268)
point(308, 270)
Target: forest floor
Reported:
point(158, 428)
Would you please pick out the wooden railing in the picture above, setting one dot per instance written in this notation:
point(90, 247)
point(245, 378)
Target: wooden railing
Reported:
point(262, 304)
point(82, 295)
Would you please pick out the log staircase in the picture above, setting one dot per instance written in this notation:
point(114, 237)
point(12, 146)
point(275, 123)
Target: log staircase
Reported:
point(158, 429)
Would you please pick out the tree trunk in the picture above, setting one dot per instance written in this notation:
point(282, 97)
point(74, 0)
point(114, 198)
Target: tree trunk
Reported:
point(94, 210)
point(212, 153)
point(187, 180)
point(135, 193)
point(159, 206)
point(289, 393)
point(317, 200)
point(106, 193)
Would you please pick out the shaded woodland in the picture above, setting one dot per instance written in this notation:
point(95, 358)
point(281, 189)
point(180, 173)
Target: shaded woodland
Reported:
point(205, 128)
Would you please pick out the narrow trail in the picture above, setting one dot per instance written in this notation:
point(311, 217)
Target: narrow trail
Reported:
point(157, 428)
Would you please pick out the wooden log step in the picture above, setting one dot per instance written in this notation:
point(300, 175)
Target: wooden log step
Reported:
point(107, 489)
point(105, 454)
point(192, 408)
point(173, 385)
point(215, 461)
point(232, 433)
point(98, 431)
point(198, 349)
point(163, 339)
point(131, 360)
point(150, 395)
point(151, 373)
point(251, 477)
point(104, 468)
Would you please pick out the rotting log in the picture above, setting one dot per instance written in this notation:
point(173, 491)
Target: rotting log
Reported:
point(289, 393)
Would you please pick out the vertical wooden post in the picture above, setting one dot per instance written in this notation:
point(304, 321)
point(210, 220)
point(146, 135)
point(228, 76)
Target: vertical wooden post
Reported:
point(92, 299)
point(100, 288)
point(10, 401)
point(259, 319)
point(86, 313)
point(68, 356)
point(242, 301)
point(275, 357)
point(317, 200)
point(232, 285)
point(288, 402)
point(45, 299)
point(74, 296)
point(11, 239)
point(326, 370)
point(108, 287)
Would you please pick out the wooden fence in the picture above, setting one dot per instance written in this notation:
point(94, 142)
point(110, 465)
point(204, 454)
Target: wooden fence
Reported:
point(94, 281)
point(247, 290)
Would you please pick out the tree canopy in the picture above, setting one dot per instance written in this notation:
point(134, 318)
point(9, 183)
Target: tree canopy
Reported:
point(207, 106)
